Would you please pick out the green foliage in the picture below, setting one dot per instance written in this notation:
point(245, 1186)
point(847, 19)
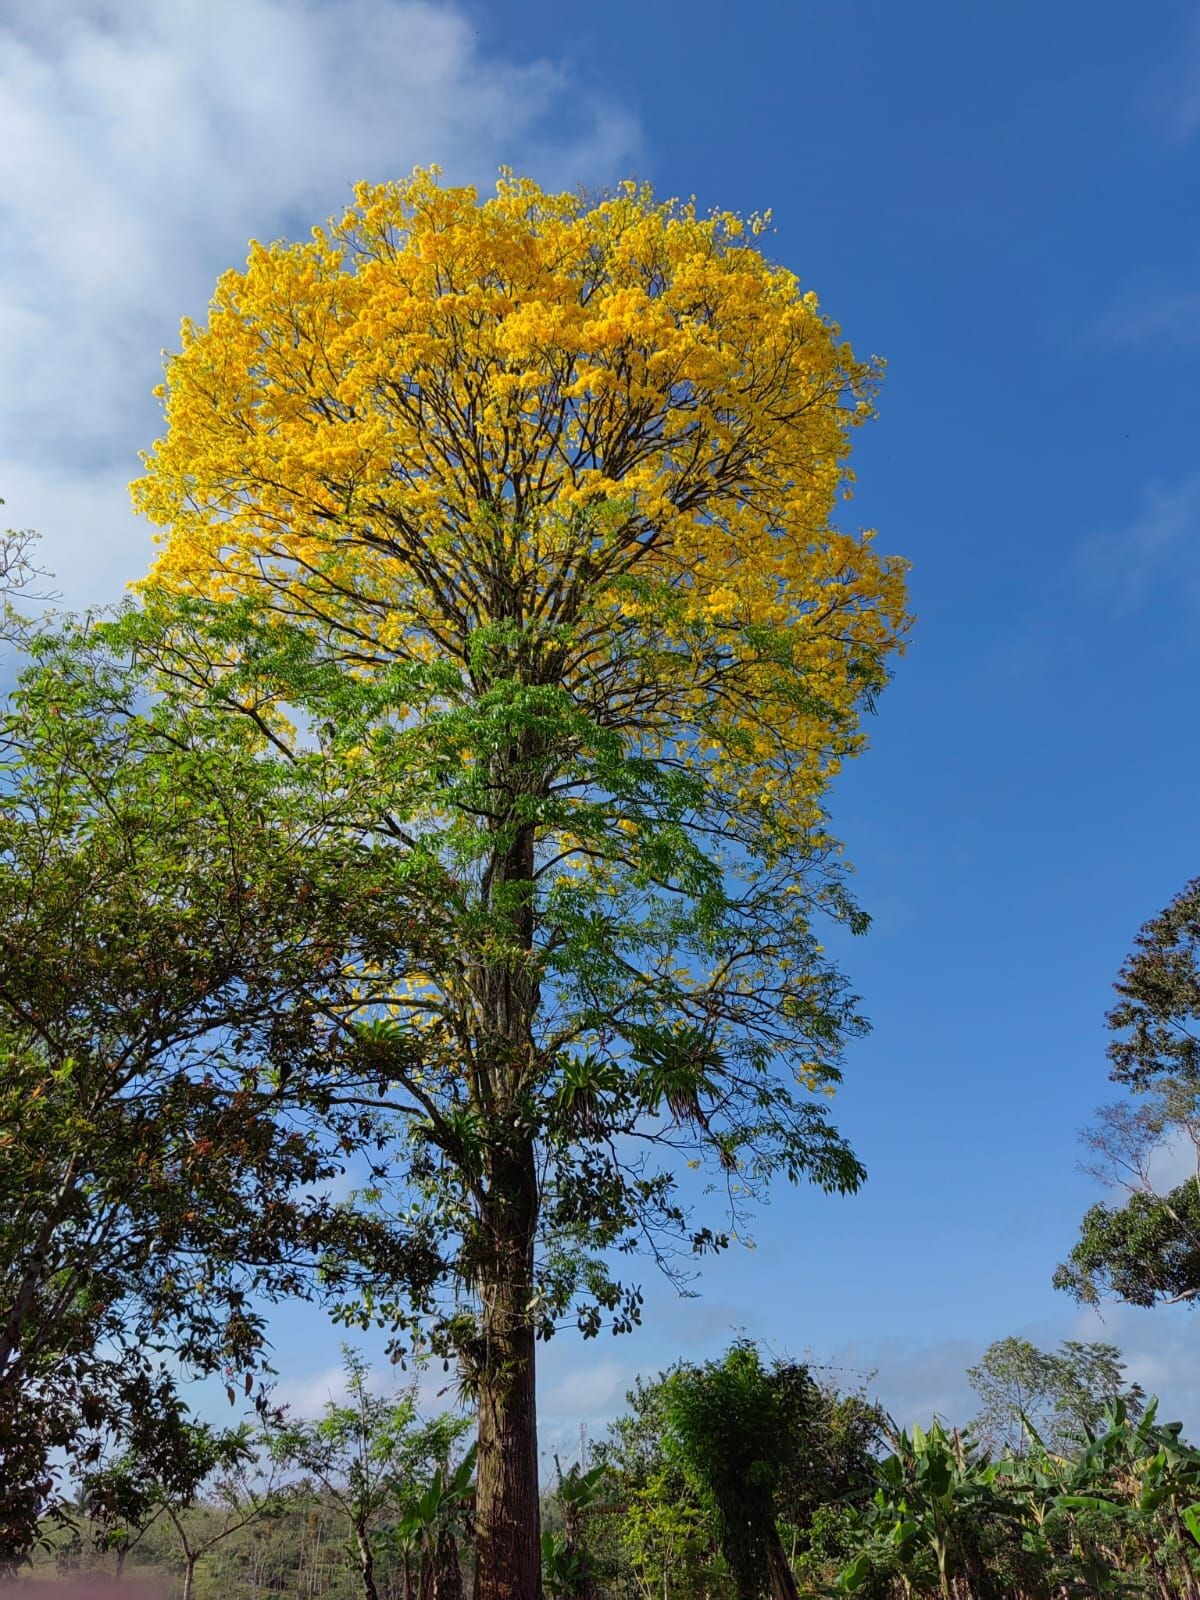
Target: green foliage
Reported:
point(391, 1473)
point(1157, 1018)
point(1059, 1394)
point(569, 1570)
point(739, 1448)
point(297, 1548)
point(124, 1497)
point(169, 904)
point(934, 1494)
point(676, 1000)
point(730, 1425)
point(1111, 1519)
point(1146, 1250)
point(712, 1462)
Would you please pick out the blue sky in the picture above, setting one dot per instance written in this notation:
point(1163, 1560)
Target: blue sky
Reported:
point(1002, 201)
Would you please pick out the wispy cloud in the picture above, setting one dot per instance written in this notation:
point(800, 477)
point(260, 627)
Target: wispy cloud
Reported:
point(1150, 315)
point(306, 1394)
point(589, 1392)
point(1161, 544)
point(1159, 1347)
point(1172, 97)
point(915, 1381)
point(142, 145)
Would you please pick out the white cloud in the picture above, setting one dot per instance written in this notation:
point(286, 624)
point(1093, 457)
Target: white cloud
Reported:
point(588, 1393)
point(1172, 1163)
point(1150, 314)
point(1159, 544)
point(1159, 1347)
point(307, 1394)
point(142, 145)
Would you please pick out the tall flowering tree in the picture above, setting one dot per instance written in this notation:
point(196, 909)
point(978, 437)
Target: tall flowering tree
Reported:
point(527, 503)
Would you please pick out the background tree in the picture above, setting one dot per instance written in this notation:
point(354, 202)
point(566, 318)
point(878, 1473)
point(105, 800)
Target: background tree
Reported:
point(382, 1466)
point(568, 1567)
point(660, 1540)
point(762, 1441)
point(1061, 1394)
point(1146, 1249)
point(20, 576)
point(1157, 1018)
point(224, 1466)
point(436, 1516)
point(549, 484)
point(124, 1497)
point(165, 922)
point(730, 1422)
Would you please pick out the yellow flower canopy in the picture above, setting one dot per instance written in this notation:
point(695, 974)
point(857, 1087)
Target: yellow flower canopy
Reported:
point(611, 423)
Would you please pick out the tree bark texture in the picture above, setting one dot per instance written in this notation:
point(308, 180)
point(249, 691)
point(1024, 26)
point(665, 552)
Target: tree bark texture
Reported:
point(508, 1556)
point(366, 1565)
point(783, 1584)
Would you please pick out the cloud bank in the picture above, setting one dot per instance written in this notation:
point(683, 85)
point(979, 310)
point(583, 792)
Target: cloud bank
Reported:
point(142, 145)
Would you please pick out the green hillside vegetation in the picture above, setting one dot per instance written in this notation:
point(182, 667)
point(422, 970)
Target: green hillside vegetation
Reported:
point(733, 1480)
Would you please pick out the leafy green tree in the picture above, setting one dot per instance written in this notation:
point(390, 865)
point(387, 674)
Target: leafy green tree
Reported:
point(387, 1471)
point(730, 1424)
point(126, 1491)
point(812, 1445)
point(660, 1540)
point(569, 1571)
point(437, 1518)
point(126, 1496)
point(1145, 1252)
point(934, 1496)
point(834, 1441)
point(673, 975)
point(166, 926)
point(1146, 1249)
point(1156, 1021)
point(1060, 1393)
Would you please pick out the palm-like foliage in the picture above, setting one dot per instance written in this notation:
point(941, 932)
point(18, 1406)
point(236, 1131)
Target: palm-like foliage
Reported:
point(1121, 1518)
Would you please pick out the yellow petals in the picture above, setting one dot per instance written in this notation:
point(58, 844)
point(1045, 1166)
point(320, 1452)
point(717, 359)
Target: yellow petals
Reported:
point(619, 418)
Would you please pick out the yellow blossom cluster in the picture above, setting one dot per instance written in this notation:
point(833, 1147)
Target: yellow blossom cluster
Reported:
point(611, 422)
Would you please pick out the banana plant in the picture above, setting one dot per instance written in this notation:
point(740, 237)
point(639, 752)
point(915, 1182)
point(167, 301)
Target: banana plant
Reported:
point(1128, 1502)
point(567, 1569)
point(427, 1535)
point(932, 1495)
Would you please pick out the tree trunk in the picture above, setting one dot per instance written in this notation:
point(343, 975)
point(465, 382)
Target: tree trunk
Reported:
point(508, 1554)
point(448, 1578)
point(366, 1565)
point(427, 1576)
point(189, 1577)
point(783, 1584)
